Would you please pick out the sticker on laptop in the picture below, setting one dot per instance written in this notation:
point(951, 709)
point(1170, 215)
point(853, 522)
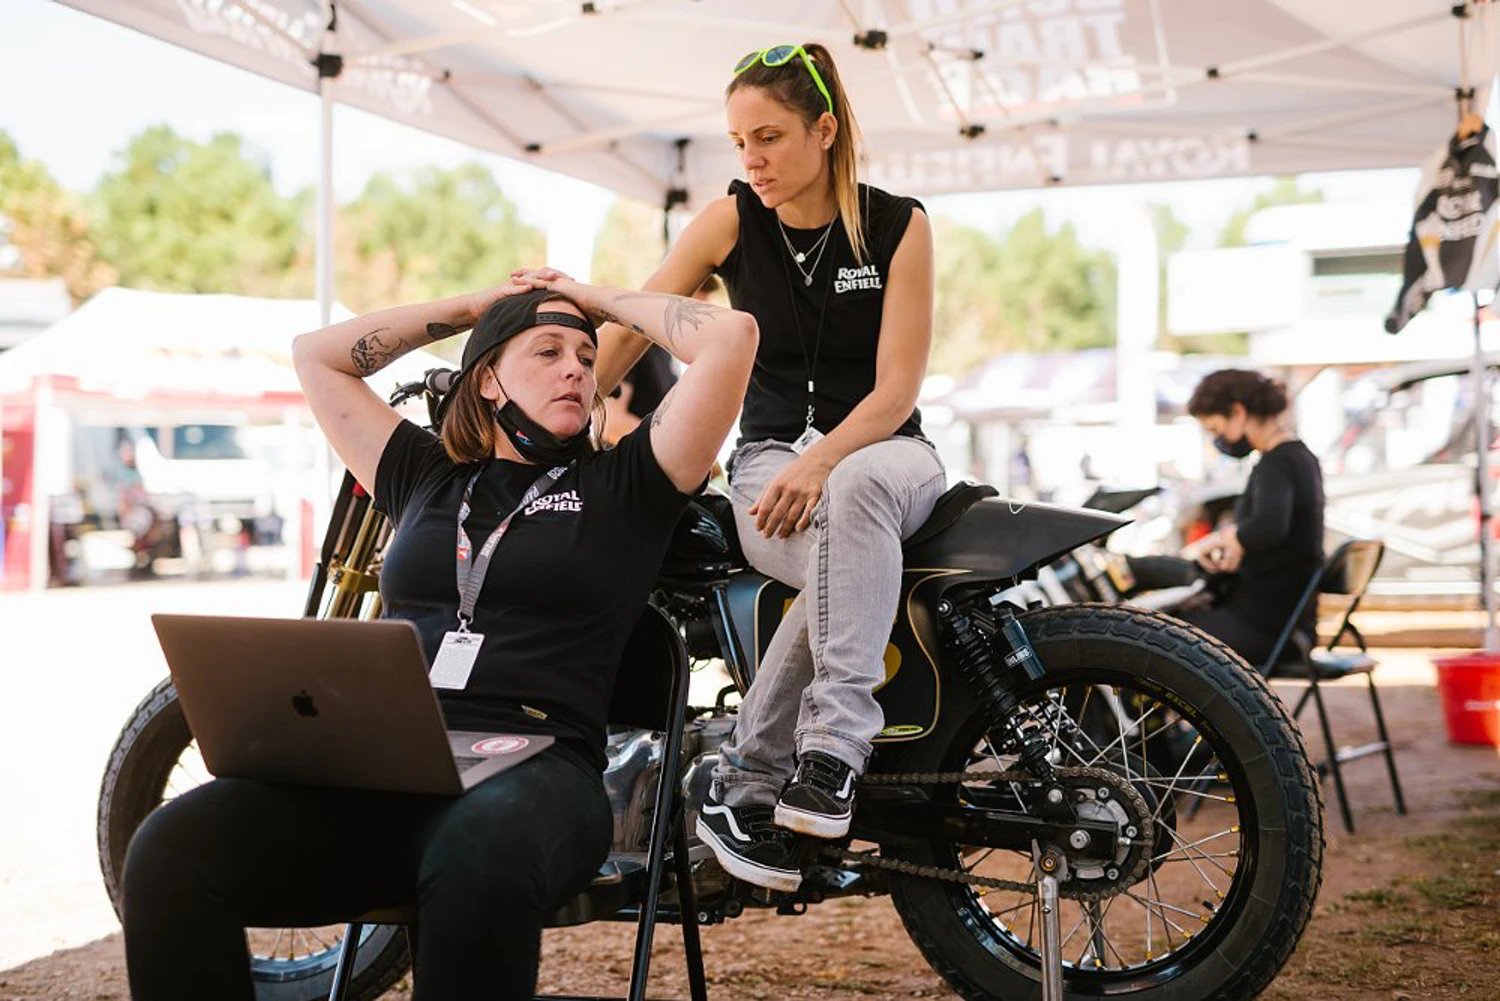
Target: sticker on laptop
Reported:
point(501, 745)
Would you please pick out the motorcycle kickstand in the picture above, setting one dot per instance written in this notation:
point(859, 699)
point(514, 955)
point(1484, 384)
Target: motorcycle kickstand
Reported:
point(1048, 866)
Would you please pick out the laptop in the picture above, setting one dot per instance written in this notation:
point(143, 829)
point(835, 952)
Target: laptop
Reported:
point(324, 702)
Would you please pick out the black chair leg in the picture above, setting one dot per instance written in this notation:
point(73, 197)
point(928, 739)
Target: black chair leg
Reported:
point(343, 973)
point(1302, 702)
point(1333, 757)
point(692, 948)
point(1385, 740)
point(662, 824)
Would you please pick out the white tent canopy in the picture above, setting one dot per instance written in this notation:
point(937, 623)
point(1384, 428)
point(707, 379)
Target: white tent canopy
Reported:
point(205, 348)
point(953, 95)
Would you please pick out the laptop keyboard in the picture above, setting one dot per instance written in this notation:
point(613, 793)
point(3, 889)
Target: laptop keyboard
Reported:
point(466, 761)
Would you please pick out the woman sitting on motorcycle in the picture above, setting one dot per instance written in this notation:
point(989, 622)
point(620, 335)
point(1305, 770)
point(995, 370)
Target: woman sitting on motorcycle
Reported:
point(1274, 546)
point(489, 867)
point(831, 471)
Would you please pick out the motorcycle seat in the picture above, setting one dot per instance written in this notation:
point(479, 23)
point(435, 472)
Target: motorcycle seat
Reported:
point(949, 508)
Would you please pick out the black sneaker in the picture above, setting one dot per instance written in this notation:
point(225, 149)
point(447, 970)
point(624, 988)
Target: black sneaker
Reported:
point(820, 798)
point(748, 843)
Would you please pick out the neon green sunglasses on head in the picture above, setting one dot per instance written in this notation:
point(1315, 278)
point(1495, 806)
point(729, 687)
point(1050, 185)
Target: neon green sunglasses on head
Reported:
point(780, 55)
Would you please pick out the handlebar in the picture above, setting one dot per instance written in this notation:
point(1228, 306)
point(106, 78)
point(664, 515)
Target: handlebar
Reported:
point(435, 381)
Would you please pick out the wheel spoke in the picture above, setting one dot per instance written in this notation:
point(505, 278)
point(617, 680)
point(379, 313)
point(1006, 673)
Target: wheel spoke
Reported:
point(1155, 745)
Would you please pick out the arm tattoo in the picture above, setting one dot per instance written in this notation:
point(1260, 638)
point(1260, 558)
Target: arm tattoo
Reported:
point(371, 353)
point(661, 408)
point(608, 317)
point(681, 313)
point(438, 331)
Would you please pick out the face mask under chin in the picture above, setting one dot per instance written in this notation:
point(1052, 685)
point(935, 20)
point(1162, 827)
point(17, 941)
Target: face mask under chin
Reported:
point(536, 442)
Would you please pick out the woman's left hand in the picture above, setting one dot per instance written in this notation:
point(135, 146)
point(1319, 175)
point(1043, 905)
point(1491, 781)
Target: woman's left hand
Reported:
point(1232, 552)
point(786, 505)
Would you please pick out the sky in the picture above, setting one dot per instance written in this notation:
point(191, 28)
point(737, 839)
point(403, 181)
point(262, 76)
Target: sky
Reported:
point(74, 88)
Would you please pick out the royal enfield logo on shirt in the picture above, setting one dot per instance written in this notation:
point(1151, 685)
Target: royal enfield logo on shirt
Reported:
point(568, 500)
point(867, 277)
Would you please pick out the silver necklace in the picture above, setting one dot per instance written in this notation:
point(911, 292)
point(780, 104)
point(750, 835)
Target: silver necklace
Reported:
point(798, 257)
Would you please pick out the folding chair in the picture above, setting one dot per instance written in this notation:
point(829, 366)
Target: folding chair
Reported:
point(1347, 572)
point(650, 693)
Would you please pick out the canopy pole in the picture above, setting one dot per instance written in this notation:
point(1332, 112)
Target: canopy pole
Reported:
point(1482, 481)
point(329, 65)
point(1138, 312)
point(325, 204)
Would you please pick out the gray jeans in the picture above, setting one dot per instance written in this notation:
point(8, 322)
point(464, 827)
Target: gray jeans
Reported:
point(815, 689)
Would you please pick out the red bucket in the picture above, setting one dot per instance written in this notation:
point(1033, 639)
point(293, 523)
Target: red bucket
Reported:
point(1469, 686)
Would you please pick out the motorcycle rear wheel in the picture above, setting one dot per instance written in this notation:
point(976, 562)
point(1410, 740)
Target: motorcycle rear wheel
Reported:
point(1228, 893)
point(155, 759)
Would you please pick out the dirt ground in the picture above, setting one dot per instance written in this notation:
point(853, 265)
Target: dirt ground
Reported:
point(1408, 908)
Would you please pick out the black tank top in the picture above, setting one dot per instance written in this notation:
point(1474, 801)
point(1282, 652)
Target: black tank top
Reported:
point(764, 281)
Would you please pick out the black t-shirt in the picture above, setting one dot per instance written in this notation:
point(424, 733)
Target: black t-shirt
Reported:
point(566, 584)
point(649, 380)
point(763, 281)
point(1279, 521)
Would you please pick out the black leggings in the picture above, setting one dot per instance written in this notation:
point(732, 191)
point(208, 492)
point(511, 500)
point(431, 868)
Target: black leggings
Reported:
point(1245, 638)
point(487, 869)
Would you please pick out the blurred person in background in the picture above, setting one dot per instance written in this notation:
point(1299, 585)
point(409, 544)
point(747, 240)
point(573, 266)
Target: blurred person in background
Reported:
point(1266, 556)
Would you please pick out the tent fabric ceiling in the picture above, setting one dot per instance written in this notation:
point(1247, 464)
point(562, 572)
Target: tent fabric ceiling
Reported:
point(952, 95)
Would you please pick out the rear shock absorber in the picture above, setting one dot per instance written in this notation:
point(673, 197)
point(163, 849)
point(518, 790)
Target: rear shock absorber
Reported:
point(990, 681)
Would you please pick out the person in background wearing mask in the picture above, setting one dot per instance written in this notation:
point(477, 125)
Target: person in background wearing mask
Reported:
point(1274, 546)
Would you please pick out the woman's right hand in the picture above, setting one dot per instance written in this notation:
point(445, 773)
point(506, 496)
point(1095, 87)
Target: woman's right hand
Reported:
point(521, 280)
point(582, 295)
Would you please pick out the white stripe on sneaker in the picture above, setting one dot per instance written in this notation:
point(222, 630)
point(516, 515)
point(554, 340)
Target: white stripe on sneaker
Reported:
point(848, 785)
point(717, 808)
point(742, 868)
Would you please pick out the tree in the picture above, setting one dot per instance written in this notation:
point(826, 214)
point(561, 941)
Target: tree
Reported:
point(47, 227)
point(1032, 291)
point(435, 233)
point(629, 245)
point(183, 216)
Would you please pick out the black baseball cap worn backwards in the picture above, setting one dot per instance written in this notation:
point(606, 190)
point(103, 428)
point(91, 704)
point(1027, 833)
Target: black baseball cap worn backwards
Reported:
point(508, 317)
point(517, 314)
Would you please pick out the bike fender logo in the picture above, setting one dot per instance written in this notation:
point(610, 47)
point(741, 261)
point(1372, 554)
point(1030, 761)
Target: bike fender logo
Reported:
point(901, 730)
point(500, 745)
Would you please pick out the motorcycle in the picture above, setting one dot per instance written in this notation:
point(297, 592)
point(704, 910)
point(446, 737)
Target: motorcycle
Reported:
point(1091, 572)
point(1026, 808)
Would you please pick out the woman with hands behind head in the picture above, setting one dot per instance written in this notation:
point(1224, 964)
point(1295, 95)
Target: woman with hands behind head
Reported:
point(831, 471)
point(513, 475)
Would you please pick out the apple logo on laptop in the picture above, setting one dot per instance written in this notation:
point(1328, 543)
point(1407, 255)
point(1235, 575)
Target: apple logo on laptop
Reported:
point(303, 703)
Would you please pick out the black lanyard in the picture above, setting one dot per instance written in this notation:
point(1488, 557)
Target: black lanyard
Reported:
point(471, 579)
point(810, 367)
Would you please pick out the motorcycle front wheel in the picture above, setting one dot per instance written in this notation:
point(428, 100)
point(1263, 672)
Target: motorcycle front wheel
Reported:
point(1193, 740)
point(156, 759)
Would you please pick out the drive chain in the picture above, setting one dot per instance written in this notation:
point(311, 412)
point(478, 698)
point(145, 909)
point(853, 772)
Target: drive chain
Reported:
point(1072, 891)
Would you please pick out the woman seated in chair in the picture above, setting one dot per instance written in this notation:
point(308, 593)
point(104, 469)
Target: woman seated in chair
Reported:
point(1274, 546)
point(516, 457)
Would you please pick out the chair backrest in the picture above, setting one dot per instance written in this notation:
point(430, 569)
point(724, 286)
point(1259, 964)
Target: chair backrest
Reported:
point(1348, 571)
point(1351, 568)
point(654, 657)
